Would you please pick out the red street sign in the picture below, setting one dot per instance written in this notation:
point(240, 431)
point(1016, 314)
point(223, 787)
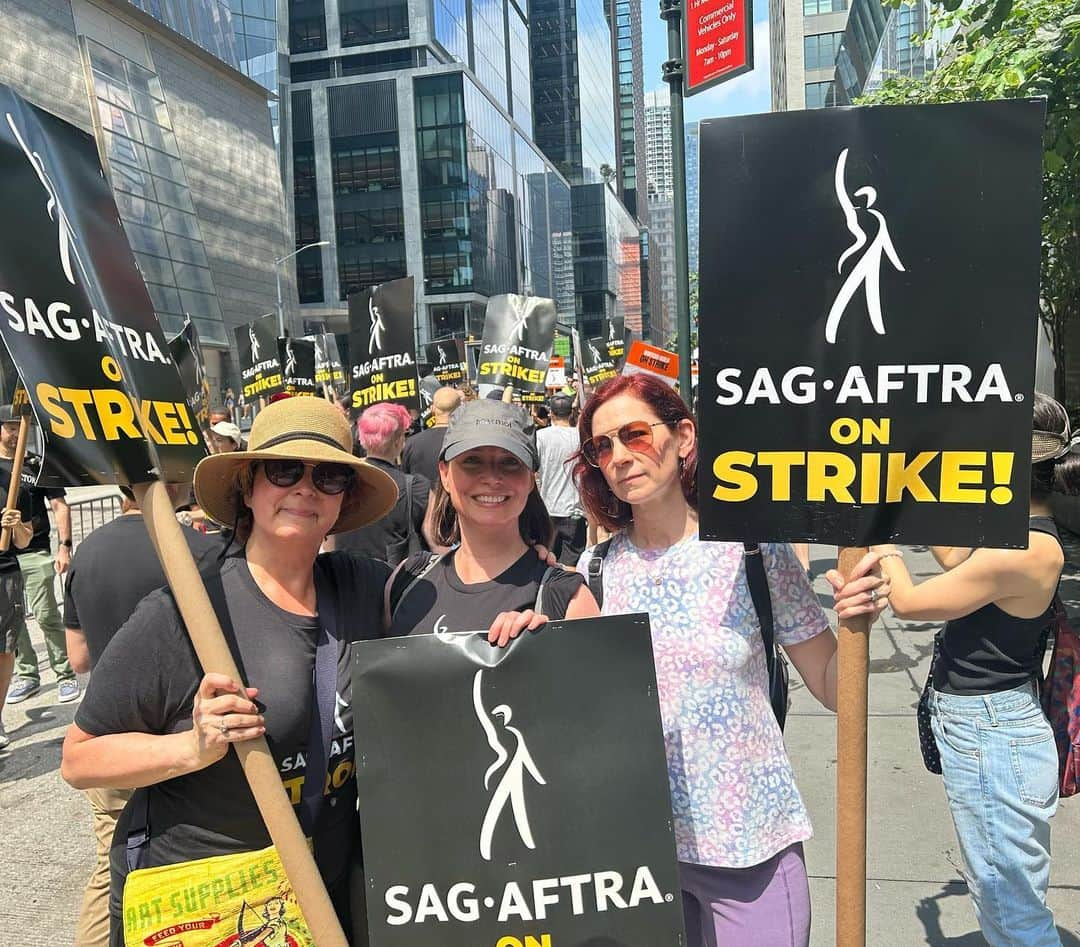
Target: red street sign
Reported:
point(719, 41)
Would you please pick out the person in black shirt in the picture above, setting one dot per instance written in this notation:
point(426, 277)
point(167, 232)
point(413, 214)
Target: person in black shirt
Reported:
point(381, 432)
point(152, 718)
point(486, 505)
point(114, 569)
point(12, 621)
point(999, 760)
point(422, 450)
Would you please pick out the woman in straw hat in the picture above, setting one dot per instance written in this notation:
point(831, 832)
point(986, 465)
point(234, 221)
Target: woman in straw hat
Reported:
point(998, 757)
point(151, 718)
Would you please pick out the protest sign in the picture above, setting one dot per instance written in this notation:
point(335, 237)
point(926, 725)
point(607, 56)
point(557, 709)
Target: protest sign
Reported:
point(260, 361)
point(596, 365)
point(297, 357)
point(616, 340)
point(519, 795)
point(329, 370)
point(76, 316)
point(643, 357)
point(556, 373)
point(518, 333)
point(877, 382)
point(187, 355)
point(447, 360)
point(382, 348)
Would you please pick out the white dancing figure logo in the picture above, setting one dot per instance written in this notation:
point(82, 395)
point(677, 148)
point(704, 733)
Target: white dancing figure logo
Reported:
point(594, 353)
point(65, 233)
point(442, 355)
point(290, 358)
point(521, 316)
point(866, 272)
point(378, 327)
point(253, 339)
point(511, 785)
point(611, 332)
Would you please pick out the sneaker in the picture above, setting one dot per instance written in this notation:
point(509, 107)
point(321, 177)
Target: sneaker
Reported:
point(21, 689)
point(67, 691)
point(5, 740)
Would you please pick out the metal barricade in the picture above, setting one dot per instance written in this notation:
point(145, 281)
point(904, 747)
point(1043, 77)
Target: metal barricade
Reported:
point(87, 515)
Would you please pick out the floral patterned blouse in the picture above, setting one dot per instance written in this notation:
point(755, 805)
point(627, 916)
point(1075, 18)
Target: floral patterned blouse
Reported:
point(733, 792)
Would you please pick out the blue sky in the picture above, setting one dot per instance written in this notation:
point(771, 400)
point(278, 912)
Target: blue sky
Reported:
point(748, 93)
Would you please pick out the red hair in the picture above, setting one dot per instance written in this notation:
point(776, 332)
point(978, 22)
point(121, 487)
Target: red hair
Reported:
point(599, 499)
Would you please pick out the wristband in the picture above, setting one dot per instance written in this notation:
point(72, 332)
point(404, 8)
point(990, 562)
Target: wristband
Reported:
point(885, 555)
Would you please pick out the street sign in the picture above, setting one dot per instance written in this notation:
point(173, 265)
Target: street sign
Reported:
point(719, 40)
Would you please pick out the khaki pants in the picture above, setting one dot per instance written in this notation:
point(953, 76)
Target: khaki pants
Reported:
point(93, 926)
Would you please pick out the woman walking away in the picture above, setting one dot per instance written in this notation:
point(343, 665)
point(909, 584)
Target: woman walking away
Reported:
point(998, 757)
point(487, 506)
point(739, 819)
point(152, 720)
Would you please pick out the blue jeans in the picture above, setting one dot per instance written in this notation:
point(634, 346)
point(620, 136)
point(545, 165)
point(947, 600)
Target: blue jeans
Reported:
point(999, 764)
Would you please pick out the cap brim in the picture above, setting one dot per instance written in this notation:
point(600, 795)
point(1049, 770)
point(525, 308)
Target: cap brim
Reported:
point(491, 440)
point(374, 496)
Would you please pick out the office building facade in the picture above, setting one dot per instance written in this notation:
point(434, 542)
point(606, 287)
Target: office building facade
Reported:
point(185, 140)
point(804, 40)
point(630, 106)
point(409, 143)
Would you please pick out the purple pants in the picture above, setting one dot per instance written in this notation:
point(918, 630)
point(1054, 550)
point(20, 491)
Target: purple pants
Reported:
point(767, 905)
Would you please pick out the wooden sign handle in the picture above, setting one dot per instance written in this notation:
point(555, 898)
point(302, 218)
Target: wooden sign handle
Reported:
point(853, 643)
point(259, 766)
point(16, 476)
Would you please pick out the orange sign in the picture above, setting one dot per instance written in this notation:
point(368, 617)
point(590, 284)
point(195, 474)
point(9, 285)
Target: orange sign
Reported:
point(643, 357)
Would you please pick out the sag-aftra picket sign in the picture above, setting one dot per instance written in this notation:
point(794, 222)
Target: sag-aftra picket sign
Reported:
point(869, 295)
point(519, 795)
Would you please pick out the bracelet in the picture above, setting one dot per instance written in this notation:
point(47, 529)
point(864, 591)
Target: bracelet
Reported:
point(886, 555)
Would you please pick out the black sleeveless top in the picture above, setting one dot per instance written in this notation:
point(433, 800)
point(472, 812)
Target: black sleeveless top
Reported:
point(989, 650)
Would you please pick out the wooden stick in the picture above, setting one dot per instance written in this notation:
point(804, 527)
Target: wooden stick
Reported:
point(258, 765)
point(16, 476)
point(852, 693)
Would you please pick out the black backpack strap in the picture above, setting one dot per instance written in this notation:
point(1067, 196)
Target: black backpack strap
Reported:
point(538, 607)
point(405, 580)
point(594, 574)
point(759, 592)
point(139, 827)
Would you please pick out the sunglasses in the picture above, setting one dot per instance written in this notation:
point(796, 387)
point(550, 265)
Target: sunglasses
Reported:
point(331, 479)
point(636, 436)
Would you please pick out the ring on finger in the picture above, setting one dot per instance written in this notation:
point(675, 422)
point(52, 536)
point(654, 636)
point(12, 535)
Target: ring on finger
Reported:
point(873, 596)
point(223, 727)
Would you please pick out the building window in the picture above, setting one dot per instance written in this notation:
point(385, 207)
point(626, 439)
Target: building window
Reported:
point(373, 21)
point(819, 51)
point(307, 26)
point(367, 167)
point(815, 7)
point(817, 94)
point(448, 319)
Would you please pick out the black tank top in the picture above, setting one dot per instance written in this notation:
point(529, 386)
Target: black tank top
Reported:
point(989, 650)
point(440, 601)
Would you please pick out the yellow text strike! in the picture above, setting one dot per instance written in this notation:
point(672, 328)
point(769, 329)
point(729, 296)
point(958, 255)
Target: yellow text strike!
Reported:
point(508, 369)
point(384, 391)
point(951, 476)
point(256, 388)
point(113, 415)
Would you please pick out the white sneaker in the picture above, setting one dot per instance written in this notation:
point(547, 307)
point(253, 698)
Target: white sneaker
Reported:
point(5, 740)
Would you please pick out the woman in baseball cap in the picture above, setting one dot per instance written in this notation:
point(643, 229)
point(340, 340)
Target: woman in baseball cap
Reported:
point(487, 511)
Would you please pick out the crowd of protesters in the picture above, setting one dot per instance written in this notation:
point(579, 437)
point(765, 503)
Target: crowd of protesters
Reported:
point(502, 518)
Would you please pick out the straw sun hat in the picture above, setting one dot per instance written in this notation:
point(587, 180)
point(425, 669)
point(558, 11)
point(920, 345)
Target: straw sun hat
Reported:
point(308, 429)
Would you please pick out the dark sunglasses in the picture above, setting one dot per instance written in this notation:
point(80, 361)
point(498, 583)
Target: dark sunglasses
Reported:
point(330, 479)
point(636, 436)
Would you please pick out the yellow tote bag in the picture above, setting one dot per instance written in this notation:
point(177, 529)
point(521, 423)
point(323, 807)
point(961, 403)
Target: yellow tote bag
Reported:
point(242, 900)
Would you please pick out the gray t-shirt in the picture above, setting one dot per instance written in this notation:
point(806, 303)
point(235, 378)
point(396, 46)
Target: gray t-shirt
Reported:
point(557, 445)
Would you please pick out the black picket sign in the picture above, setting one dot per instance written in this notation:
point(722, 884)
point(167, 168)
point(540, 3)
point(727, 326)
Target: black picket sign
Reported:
point(382, 346)
point(76, 316)
point(297, 357)
point(260, 363)
point(616, 340)
point(186, 352)
point(596, 363)
point(868, 363)
point(518, 335)
point(329, 369)
point(446, 359)
point(516, 793)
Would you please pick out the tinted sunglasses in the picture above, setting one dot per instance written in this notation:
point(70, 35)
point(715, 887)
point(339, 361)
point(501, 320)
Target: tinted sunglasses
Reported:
point(636, 436)
point(328, 478)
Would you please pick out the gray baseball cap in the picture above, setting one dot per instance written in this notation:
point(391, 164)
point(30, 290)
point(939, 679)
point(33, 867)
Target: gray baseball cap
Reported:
point(486, 423)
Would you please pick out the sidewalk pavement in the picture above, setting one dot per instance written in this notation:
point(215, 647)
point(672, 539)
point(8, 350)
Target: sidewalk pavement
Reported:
point(915, 889)
point(915, 892)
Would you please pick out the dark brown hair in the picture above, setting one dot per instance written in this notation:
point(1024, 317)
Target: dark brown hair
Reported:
point(599, 499)
point(534, 523)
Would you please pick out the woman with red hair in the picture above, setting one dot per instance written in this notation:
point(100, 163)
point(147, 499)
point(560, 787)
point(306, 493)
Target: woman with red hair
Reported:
point(739, 819)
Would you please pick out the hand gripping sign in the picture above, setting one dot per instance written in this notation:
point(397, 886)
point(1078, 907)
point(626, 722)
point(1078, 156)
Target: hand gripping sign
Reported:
point(81, 330)
point(544, 816)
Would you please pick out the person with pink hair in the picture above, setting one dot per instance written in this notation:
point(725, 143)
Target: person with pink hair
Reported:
point(380, 431)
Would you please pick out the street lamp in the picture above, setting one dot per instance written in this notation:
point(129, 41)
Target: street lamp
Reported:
point(277, 275)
